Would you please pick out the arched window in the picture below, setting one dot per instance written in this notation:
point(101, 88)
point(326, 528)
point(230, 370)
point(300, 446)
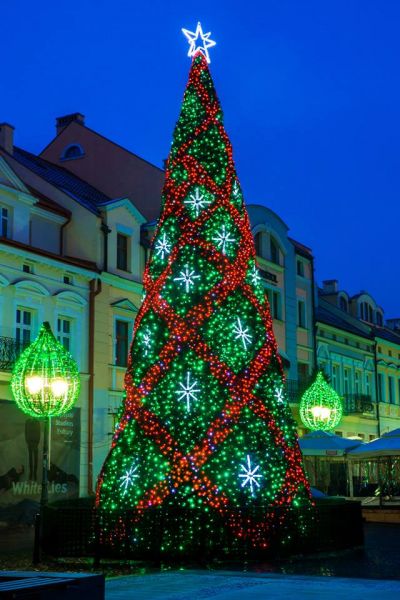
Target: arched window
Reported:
point(379, 318)
point(366, 312)
point(258, 239)
point(72, 151)
point(274, 251)
point(343, 303)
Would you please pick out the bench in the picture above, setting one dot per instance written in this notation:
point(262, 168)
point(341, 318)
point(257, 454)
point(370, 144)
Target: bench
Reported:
point(44, 585)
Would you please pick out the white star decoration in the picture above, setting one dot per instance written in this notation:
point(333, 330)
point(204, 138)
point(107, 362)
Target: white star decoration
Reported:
point(162, 246)
point(197, 201)
point(250, 475)
point(188, 391)
point(127, 479)
point(187, 277)
point(279, 395)
point(242, 333)
point(203, 46)
point(255, 275)
point(222, 238)
point(146, 341)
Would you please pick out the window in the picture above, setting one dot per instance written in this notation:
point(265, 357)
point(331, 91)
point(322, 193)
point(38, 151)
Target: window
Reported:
point(68, 279)
point(343, 304)
point(258, 239)
point(122, 251)
point(274, 298)
point(391, 389)
point(346, 380)
point(366, 312)
point(274, 251)
point(64, 332)
point(379, 319)
point(4, 222)
point(121, 343)
point(301, 313)
point(23, 328)
point(381, 388)
point(368, 384)
point(302, 371)
point(335, 378)
point(72, 151)
point(357, 382)
point(300, 268)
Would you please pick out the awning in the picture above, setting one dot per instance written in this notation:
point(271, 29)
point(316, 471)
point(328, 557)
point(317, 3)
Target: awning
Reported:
point(323, 443)
point(387, 445)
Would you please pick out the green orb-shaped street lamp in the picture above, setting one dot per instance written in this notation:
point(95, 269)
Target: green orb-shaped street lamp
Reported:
point(45, 383)
point(321, 407)
point(45, 380)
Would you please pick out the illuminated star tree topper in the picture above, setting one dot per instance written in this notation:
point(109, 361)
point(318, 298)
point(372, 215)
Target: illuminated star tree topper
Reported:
point(199, 41)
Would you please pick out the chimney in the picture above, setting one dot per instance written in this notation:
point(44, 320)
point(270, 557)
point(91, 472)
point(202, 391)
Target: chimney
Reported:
point(7, 137)
point(62, 122)
point(330, 286)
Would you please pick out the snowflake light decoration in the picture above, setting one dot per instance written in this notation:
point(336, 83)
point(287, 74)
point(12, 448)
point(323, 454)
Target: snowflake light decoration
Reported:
point(187, 277)
point(222, 238)
point(255, 276)
point(188, 391)
point(242, 333)
point(250, 475)
point(146, 342)
point(194, 46)
point(129, 477)
point(162, 246)
point(279, 395)
point(197, 201)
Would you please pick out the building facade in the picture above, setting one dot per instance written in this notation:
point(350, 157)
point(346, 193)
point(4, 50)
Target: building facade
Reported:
point(361, 356)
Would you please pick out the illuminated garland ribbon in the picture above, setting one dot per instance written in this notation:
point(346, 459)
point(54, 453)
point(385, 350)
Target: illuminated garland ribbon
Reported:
point(188, 467)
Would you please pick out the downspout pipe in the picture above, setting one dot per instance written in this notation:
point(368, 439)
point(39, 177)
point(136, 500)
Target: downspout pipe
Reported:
point(105, 230)
point(94, 290)
point(377, 390)
point(313, 315)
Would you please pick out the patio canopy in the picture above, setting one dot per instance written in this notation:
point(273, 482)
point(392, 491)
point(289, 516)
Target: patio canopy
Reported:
point(387, 445)
point(323, 443)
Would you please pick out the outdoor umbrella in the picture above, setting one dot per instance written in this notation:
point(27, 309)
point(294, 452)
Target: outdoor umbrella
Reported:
point(387, 445)
point(323, 443)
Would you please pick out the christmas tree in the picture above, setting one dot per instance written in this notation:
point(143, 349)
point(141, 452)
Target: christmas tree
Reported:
point(205, 432)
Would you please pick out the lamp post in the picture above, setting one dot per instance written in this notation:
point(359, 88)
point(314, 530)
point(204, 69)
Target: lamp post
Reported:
point(45, 383)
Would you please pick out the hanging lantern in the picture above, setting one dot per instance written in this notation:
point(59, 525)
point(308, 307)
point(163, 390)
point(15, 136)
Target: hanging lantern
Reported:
point(320, 406)
point(45, 380)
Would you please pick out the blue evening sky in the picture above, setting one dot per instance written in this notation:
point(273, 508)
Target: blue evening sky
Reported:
point(310, 92)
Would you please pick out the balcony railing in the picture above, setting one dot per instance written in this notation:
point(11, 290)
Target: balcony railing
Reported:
point(295, 389)
point(10, 349)
point(358, 404)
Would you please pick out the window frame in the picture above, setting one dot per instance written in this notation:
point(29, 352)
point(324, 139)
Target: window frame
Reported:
point(301, 314)
point(126, 261)
point(128, 323)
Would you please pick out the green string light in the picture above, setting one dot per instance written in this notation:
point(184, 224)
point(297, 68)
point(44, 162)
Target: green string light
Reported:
point(45, 380)
point(320, 406)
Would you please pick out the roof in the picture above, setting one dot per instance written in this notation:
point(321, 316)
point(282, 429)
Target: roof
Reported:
point(77, 262)
point(330, 315)
point(387, 445)
point(76, 188)
point(387, 334)
point(301, 249)
point(48, 204)
point(324, 443)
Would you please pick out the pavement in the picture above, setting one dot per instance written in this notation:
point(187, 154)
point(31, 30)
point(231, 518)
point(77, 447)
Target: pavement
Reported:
point(227, 585)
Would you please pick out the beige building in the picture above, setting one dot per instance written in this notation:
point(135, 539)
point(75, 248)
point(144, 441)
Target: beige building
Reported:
point(71, 255)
